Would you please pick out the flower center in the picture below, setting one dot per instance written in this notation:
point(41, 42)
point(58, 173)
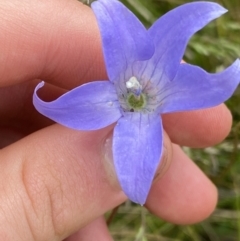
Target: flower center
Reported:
point(138, 96)
point(136, 100)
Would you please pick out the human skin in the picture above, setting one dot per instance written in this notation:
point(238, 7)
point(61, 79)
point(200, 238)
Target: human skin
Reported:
point(55, 181)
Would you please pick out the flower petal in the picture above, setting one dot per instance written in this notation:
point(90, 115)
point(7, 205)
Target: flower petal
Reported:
point(124, 38)
point(137, 149)
point(88, 107)
point(172, 32)
point(193, 88)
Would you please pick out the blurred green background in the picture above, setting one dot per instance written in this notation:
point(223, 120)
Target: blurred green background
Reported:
point(213, 48)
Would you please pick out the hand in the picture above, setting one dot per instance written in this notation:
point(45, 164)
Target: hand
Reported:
point(54, 180)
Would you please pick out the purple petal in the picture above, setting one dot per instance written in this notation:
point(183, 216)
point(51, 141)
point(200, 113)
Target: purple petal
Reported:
point(172, 32)
point(88, 107)
point(124, 38)
point(193, 88)
point(137, 150)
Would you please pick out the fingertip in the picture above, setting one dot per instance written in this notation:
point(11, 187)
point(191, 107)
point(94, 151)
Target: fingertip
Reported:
point(200, 128)
point(184, 195)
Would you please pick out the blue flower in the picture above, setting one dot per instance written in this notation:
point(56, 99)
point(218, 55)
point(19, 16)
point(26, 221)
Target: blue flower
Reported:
point(146, 79)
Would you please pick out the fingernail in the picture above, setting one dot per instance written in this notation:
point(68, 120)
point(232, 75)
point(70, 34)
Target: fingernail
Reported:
point(108, 161)
point(166, 158)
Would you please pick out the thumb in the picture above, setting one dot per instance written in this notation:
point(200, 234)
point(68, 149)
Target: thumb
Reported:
point(54, 182)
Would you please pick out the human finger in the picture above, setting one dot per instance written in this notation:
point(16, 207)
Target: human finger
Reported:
point(200, 128)
point(184, 195)
point(64, 49)
point(56, 181)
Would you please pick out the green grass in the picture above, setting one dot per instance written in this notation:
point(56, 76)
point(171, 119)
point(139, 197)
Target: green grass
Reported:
point(213, 48)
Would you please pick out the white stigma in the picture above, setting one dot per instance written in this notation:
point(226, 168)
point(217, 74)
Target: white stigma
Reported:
point(133, 85)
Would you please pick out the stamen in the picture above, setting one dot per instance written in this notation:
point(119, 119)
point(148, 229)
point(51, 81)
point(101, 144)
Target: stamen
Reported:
point(134, 86)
